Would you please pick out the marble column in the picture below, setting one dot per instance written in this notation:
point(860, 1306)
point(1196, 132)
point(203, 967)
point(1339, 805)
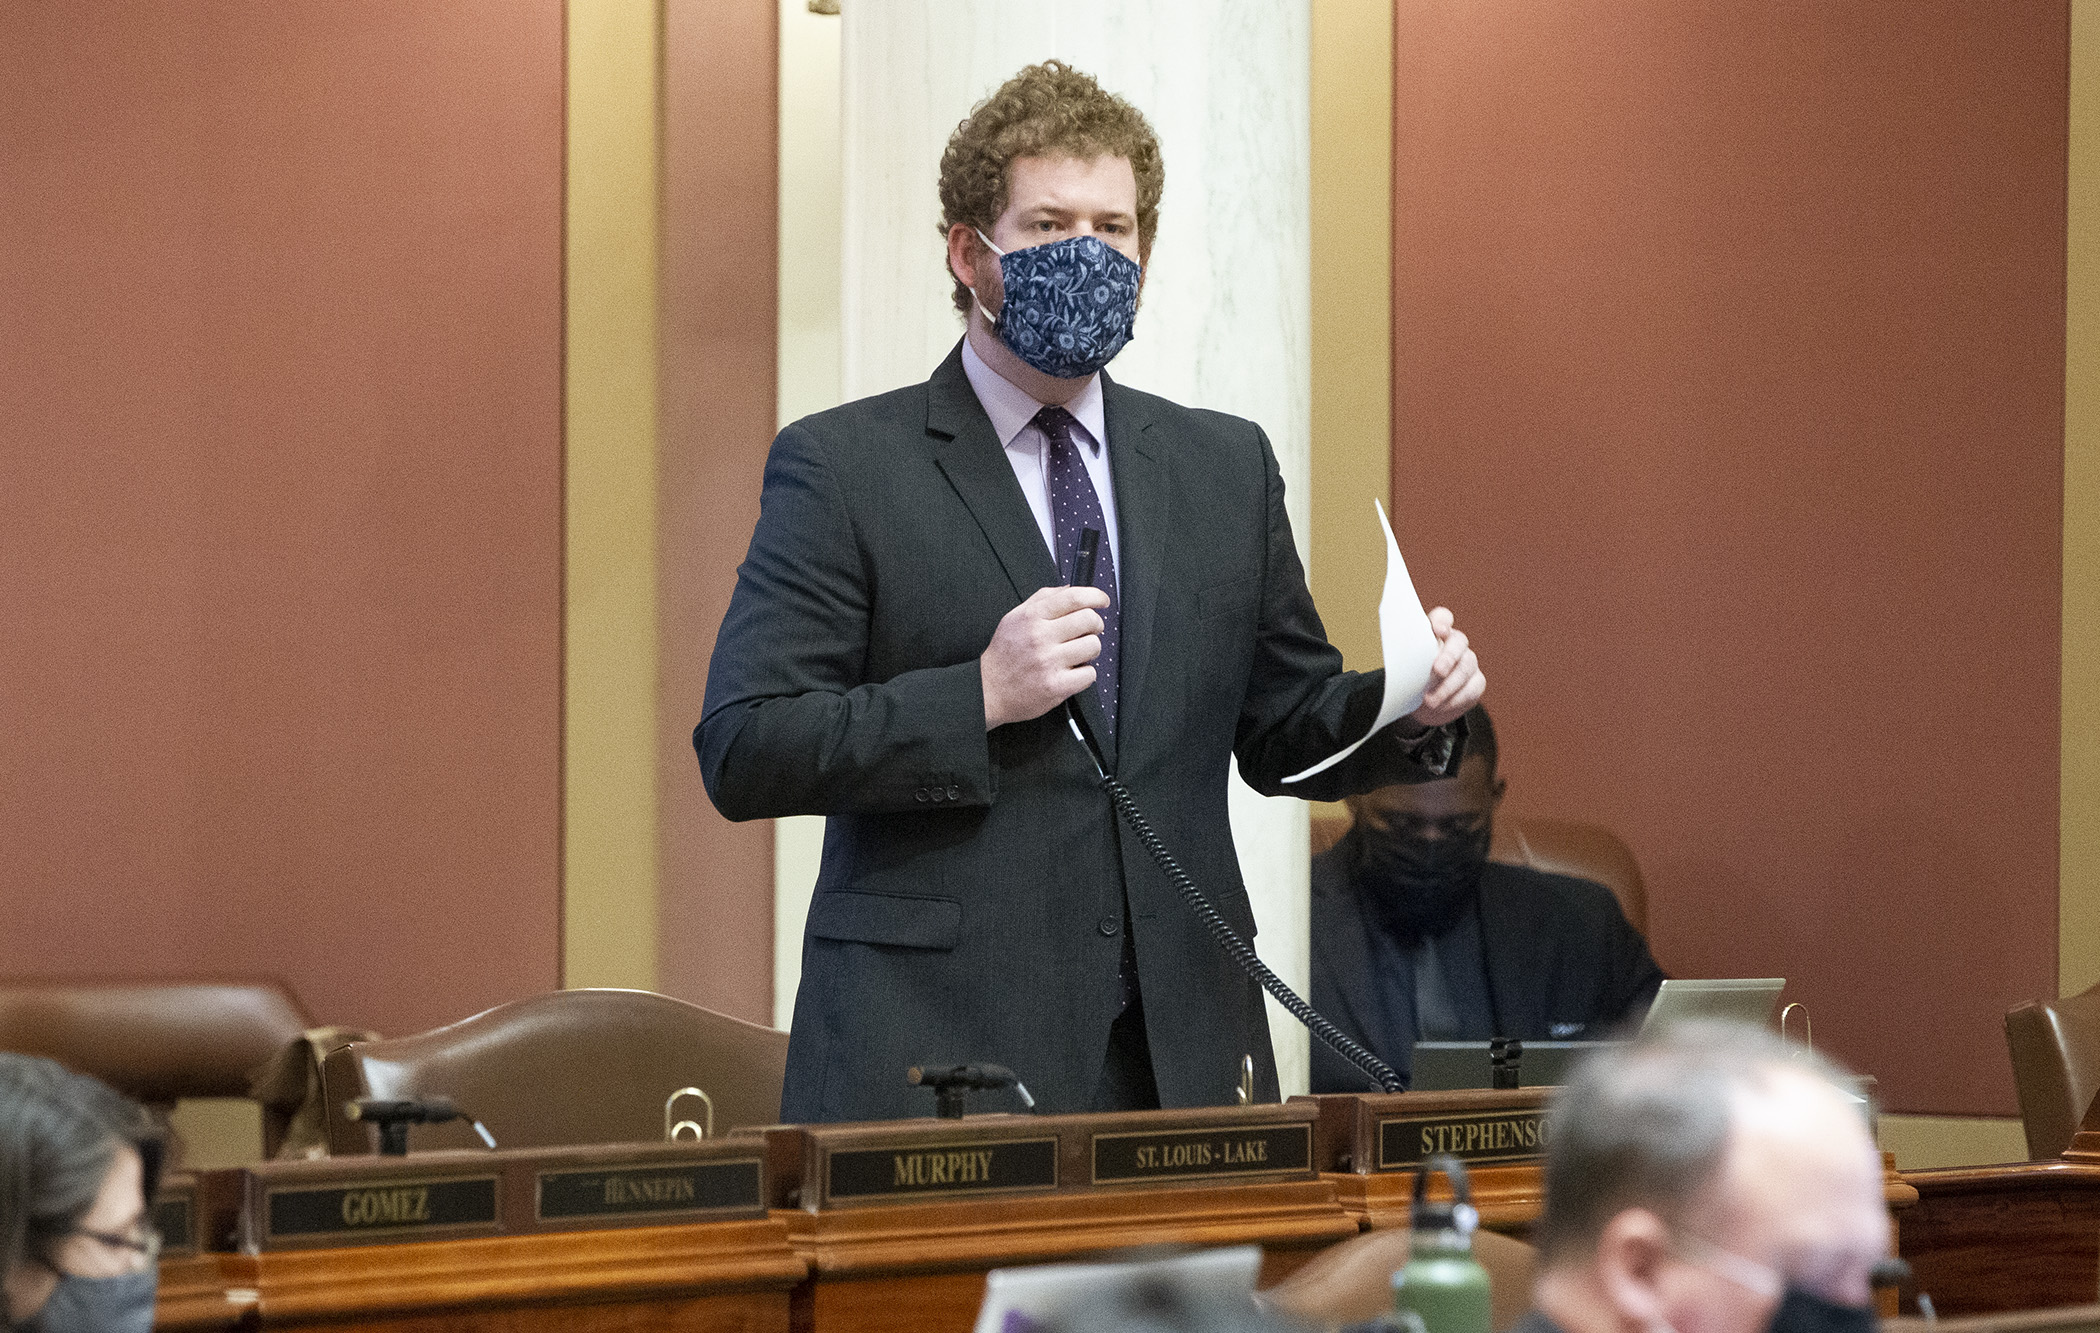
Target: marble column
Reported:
point(1226, 83)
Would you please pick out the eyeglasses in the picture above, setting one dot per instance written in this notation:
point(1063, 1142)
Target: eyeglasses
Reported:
point(146, 1242)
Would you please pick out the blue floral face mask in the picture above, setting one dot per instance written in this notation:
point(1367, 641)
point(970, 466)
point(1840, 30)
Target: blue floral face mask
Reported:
point(1070, 305)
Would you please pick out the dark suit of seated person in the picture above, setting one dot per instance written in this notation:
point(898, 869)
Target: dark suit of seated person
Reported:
point(1417, 936)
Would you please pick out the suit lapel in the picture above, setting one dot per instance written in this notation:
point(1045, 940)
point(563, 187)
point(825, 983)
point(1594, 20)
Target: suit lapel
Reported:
point(1350, 963)
point(968, 453)
point(1137, 460)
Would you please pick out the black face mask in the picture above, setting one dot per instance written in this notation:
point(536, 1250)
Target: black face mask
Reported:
point(1805, 1312)
point(1415, 887)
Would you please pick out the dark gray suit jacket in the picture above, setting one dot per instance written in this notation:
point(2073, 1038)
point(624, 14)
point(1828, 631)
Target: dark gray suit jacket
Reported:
point(970, 901)
point(1563, 963)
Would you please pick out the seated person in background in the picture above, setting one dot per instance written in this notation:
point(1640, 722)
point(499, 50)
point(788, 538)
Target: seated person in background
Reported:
point(1708, 1180)
point(1417, 936)
point(78, 1167)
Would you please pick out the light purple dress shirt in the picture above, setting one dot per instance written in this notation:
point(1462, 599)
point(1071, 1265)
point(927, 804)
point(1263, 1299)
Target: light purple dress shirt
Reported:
point(1028, 450)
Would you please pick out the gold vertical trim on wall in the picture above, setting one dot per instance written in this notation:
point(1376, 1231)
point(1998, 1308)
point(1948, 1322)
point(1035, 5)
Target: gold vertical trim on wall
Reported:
point(1352, 285)
point(2078, 915)
point(1352, 301)
point(609, 851)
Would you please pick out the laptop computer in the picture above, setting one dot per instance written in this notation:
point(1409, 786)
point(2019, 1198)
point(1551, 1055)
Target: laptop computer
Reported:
point(1743, 999)
point(1446, 1065)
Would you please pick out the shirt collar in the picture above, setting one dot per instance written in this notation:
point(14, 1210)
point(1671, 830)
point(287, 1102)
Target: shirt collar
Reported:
point(1011, 408)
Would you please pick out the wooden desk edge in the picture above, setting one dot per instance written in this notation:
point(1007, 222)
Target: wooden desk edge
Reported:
point(550, 1269)
point(963, 1235)
point(2047, 1174)
point(1508, 1197)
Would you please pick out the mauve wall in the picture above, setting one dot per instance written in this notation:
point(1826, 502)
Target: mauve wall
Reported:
point(280, 523)
point(721, 74)
point(1728, 407)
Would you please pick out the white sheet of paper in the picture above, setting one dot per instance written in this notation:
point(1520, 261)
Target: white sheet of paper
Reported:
point(1406, 640)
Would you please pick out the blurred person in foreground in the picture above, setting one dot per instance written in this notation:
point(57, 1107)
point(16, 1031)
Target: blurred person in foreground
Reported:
point(1161, 1305)
point(1417, 936)
point(1709, 1179)
point(78, 1168)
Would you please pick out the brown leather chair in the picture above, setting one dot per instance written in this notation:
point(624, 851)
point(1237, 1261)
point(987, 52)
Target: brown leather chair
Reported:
point(2055, 1047)
point(578, 1066)
point(1350, 1282)
point(154, 1041)
point(1556, 846)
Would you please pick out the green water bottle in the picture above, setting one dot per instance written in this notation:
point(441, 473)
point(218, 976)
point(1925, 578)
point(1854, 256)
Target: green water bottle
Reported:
point(1443, 1289)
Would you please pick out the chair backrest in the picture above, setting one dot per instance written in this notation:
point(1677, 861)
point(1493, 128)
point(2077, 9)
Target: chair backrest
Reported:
point(153, 1041)
point(1556, 846)
point(2055, 1047)
point(1352, 1282)
point(579, 1066)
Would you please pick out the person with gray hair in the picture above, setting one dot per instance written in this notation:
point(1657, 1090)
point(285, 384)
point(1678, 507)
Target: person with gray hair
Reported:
point(78, 1167)
point(1709, 1179)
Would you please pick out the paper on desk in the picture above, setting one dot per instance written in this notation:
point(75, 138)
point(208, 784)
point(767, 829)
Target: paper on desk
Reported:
point(1408, 643)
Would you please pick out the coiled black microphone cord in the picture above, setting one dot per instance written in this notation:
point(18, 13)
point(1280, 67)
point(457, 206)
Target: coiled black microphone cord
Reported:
point(1243, 953)
point(1220, 929)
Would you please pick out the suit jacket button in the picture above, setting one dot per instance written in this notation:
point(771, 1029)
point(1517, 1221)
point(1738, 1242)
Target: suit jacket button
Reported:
point(939, 795)
point(955, 793)
point(1109, 925)
point(922, 795)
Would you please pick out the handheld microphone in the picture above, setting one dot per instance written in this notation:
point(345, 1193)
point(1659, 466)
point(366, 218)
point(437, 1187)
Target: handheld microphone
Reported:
point(1083, 577)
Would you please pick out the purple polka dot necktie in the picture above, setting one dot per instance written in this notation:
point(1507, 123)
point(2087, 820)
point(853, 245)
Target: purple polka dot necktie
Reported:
point(1074, 507)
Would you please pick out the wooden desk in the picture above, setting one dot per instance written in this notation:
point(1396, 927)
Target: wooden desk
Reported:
point(1368, 1144)
point(898, 1250)
point(457, 1240)
point(922, 1266)
point(1985, 1239)
point(638, 1236)
point(735, 1277)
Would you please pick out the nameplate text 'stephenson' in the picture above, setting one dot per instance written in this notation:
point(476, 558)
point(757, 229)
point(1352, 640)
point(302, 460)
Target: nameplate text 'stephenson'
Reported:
point(174, 1217)
point(1225, 1151)
point(631, 1191)
point(1481, 1136)
point(393, 1207)
point(983, 1167)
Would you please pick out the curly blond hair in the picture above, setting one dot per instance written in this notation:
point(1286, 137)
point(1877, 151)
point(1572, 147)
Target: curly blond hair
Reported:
point(1047, 110)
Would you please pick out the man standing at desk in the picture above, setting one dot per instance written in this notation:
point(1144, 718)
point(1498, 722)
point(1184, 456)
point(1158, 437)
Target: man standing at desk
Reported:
point(901, 640)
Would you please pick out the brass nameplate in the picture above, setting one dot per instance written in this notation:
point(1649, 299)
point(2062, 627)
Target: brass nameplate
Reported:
point(1221, 1152)
point(390, 1207)
point(174, 1217)
point(634, 1191)
point(986, 1166)
point(1477, 1136)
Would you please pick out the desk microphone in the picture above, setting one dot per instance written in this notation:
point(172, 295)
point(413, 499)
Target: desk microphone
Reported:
point(950, 1082)
point(393, 1115)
